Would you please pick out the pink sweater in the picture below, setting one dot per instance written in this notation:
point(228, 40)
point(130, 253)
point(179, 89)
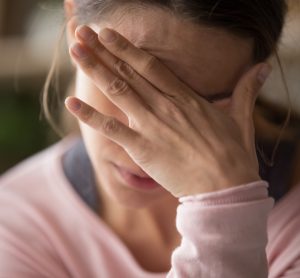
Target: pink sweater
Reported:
point(46, 230)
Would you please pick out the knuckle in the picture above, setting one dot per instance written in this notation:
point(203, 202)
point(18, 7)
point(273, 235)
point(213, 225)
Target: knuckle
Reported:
point(174, 112)
point(251, 88)
point(124, 69)
point(118, 87)
point(93, 42)
point(122, 45)
point(247, 90)
point(88, 115)
point(110, 125)
point(89, 63)
point(191, 101)
point(143, 152)
point(256, 86)
point(98, 49)
point(149, 64)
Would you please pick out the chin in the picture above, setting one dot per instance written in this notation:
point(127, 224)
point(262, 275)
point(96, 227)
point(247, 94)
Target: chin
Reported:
point(132, 200)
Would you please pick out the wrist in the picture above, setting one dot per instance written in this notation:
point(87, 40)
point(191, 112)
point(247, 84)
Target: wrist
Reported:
point(219, 184)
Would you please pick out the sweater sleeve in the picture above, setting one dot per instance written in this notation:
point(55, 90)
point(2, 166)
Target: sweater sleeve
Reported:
point(224, 233)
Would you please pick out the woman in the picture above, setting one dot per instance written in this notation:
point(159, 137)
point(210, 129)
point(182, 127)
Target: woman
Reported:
point(165, 93)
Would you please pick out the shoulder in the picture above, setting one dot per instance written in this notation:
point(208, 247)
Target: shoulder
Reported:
point(31, 212)
point(283, 234)
point(33, 170)
point(29, 192)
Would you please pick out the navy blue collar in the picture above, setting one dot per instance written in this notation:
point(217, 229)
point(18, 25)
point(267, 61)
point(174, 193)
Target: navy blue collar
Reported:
point(79, 171)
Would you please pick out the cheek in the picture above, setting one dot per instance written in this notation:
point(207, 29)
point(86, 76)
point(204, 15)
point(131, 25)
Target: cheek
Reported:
point(100, 149)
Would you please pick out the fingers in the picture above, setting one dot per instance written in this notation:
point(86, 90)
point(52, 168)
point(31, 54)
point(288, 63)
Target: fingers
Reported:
point(246, 92)
point(141, 86)
point(147, 65)
point(108, 126)
point(244, 98)
point(114, 87)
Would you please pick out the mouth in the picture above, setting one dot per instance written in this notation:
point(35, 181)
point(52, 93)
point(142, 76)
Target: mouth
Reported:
point(136, 180)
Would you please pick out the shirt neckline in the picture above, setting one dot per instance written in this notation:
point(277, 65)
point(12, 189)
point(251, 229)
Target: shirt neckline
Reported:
point(55, 171)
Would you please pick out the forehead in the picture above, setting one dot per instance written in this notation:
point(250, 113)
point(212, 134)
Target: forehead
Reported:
point(208, 59)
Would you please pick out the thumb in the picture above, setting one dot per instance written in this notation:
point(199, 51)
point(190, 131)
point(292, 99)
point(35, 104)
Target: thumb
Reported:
point(246, 93)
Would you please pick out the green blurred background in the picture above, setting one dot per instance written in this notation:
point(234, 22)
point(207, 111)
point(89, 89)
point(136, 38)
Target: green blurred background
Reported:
point(29, 31)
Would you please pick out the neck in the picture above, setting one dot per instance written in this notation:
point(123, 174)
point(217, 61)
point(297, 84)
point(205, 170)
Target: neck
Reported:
point(155, 223)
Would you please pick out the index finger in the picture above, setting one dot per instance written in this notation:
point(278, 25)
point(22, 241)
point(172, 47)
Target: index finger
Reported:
point(144, 63)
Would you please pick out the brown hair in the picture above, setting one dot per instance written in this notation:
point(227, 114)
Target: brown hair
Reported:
point(260, 20)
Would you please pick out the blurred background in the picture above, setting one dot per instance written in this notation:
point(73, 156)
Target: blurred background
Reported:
point(29, 33)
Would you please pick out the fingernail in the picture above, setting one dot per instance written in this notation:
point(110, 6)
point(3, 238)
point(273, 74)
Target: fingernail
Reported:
point(264, 73)
point(79, 51)
point(73, 103)
point(85, 33)
point(107, 35)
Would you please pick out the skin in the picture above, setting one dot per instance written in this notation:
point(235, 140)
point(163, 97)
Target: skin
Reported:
point(197, 62)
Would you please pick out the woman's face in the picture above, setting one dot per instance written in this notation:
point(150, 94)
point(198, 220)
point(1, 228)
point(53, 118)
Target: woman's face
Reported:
point(209, 60)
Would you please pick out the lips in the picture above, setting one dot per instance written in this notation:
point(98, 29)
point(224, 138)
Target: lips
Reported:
point(136, 179)
point(140, 174)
